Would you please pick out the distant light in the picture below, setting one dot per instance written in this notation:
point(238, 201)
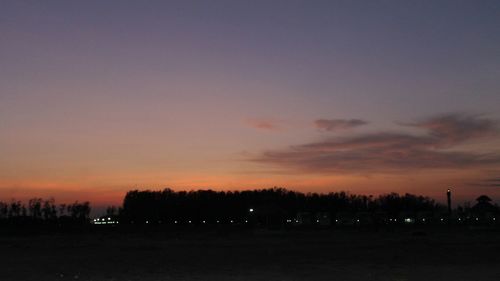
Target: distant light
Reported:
point(217, 221)
point(459, 219)
point(442, 219)
point(246, 221)
point(231, 221)
point(317, 220)
point(203, 221)
point(109, 219)
point(494, 219)
point(175, 221)
point(477, 219)
point(251, 210)
point(408, 220)
point(336, 220)
point(147, 221)
point(423, 219)
point(357, 220)
point(189, 221)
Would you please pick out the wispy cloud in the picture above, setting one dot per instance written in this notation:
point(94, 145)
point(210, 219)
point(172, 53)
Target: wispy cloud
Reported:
point(338, 124)
point(386, 151)
point(264, 124)
point(451, 129)
point(488, 182)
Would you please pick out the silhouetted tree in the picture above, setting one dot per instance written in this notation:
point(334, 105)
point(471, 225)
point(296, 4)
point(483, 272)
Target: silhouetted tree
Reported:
point(80, 211)
point(271, 206)
point(4, 209)
point(49, 209)
point(35, 208)
point(62, 210)
point(15, 209)
point(111, 211)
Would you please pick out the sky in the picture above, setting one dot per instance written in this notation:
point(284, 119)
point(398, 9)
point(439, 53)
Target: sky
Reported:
point(101, 97)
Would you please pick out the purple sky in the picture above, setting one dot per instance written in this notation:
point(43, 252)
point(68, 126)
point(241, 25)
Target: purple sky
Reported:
point(99, 97)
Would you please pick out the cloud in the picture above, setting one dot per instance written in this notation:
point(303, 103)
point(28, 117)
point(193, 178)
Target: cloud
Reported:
point(387, 151)
point(489, 182)
point(456, 128)
point(338, 124)
point(264, 124)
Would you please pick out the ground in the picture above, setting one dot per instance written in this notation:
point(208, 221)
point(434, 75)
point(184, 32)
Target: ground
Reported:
point(351, 254)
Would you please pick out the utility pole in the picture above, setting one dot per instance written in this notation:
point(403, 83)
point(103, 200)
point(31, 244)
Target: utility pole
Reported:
point(448, 195)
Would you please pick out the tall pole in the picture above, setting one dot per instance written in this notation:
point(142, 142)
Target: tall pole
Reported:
point(448, 195)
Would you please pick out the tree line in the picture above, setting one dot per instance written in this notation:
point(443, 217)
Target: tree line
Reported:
point(274, 206)
point(265, 206)
point(44, 210)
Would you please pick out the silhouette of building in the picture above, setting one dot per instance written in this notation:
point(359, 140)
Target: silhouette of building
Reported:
point(484, 211)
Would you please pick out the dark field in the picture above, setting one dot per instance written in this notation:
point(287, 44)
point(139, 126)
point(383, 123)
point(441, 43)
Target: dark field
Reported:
point(254, 255)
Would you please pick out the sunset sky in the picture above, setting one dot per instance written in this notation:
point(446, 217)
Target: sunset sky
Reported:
point(100, 97)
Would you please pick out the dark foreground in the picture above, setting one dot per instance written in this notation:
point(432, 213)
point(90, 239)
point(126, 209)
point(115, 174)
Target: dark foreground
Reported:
point(254, 255)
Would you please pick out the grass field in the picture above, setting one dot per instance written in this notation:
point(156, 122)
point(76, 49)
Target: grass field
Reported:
point(254, 255)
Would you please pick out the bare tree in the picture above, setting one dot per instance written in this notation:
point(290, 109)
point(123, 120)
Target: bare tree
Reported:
point(4, 207)
point(49, 209)
point(62, 210)
point(15, 209)
point(35, 208)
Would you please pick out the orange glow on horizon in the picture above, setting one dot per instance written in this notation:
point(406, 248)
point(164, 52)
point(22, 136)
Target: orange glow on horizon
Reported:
point(430, 184)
